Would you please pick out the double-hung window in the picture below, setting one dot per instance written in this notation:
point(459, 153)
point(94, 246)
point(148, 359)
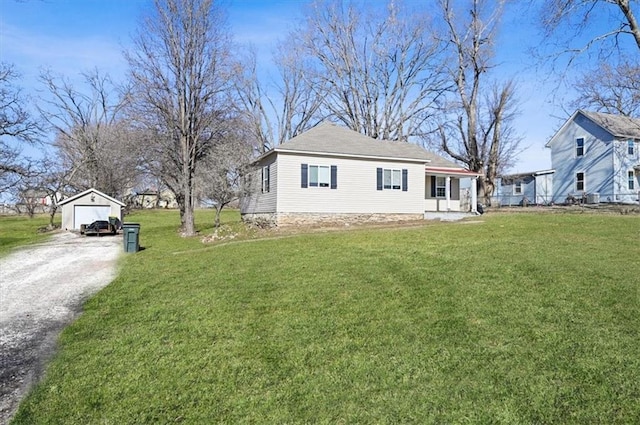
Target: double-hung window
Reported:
point(631, 148)
point(580, 182)
point(392, 179)
point(441, 187)
point(319, 176)
point(266, 179)
point(631, 180)
point(517, 187)
point(580, 146)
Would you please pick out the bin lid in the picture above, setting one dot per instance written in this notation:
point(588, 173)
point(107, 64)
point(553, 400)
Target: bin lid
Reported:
point(130, 224)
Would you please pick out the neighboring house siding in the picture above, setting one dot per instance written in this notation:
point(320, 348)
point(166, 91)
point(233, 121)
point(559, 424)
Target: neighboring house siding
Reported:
point(596, 163)
point(356, 190)
point(254, 201)
point(544, 189)
point(623, 163)
point(506, 193)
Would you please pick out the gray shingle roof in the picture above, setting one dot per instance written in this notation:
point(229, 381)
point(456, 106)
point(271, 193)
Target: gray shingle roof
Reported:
point(617, 125)
point(328, 138)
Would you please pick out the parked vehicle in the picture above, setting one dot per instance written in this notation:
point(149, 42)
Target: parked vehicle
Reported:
point(99, 227)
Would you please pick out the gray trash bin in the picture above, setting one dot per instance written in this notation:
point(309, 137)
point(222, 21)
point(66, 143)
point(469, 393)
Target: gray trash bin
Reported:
point(131, 236)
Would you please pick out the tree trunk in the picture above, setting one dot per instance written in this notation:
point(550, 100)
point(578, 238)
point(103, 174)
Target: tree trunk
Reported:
point(187, 216)
point(216, 223)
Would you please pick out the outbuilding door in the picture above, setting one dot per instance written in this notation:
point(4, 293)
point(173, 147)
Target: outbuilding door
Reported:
point(87, 214)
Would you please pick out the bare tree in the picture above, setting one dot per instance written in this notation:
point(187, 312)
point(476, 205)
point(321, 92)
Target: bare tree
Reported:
point(180, 69)
point(574, 27)
point(285, 108)
point(610, 89)
point(16, 126)
point(15, 120)
point(379, 73)
point(93, 137)
point(476, 122)
point(223, 168)
point(53, 181)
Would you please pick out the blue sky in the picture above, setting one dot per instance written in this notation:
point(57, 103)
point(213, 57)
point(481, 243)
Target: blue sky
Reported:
point(70, 36)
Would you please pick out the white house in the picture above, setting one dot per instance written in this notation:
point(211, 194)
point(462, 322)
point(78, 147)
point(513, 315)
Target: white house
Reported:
point(331, 173)
point(87, 207)
point(596, 157)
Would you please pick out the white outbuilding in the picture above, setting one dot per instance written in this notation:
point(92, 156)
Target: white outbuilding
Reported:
point(87, 207)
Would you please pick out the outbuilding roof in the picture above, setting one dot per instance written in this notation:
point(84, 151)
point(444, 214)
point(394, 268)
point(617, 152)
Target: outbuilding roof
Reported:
point(92, 190)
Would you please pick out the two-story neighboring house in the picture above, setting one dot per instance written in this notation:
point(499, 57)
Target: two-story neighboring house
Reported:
point(596, 156)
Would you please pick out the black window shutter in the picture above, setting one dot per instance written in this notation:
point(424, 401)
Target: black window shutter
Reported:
point(405, 174)
point(304, 175)
point(433, 186)
point(379, 178)
point(334, 177)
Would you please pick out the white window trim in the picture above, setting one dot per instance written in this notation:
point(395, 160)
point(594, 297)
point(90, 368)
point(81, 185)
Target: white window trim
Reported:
point(393, 172)
point(319, 182)
point(631, 143)
point(584, 146)
point(584, 181)
point(266, 179)
point(443, 187)
point(515, 187)
point(631, 178)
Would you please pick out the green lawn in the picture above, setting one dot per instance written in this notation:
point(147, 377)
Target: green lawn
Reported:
point(19, 230)
point(518, 319)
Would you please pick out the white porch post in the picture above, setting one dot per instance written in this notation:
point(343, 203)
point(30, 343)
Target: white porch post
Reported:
point(474, 195)
point(447, 191)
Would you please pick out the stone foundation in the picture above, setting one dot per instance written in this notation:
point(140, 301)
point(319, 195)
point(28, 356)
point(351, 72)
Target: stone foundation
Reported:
point(262, 220)
point(327, 219)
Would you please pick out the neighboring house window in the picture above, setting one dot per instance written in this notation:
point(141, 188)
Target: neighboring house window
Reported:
point(580, 146)
point(580, 181)
point(390, 179)
point(630, 147)
point(319, 176)
point(266, 179)
point(517, 188)
point(631, 180)
point(441, 187)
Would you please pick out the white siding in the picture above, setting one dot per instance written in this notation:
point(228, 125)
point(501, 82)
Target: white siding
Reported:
point(596, 163)
point(356, 187)
point(253, 200)
point(544, 189)
point(622, 164)
point(68, 209)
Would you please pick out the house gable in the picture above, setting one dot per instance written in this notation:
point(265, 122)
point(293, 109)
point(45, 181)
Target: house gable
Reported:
point(590, 156)
point(91, 204)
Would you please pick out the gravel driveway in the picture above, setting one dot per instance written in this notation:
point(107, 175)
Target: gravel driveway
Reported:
point(42, 288)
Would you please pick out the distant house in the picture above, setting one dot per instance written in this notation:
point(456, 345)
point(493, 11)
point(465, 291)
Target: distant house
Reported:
point(331, 173)
point(87, 207)
point(533, 188)
point(151, 198)
point(34, 201)
point(596, 157)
